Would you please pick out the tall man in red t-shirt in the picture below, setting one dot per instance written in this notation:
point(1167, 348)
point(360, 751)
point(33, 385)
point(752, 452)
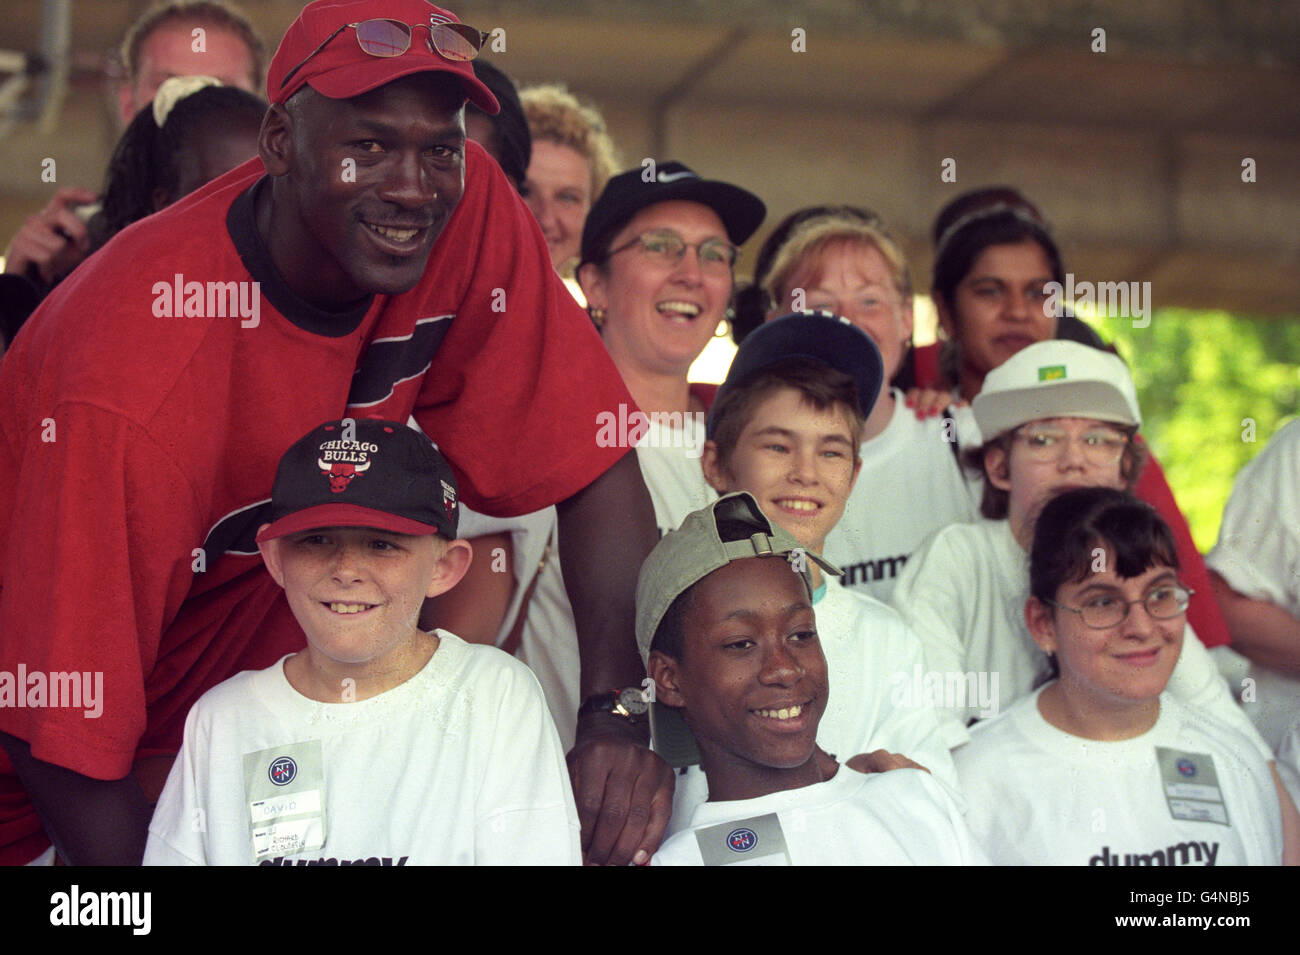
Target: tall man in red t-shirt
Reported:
point(371, 262)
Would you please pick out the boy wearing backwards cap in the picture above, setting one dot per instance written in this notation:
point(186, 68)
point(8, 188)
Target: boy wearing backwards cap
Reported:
point(379, 743)
point(785, 428)
point(1057, 415)
point(725, 624)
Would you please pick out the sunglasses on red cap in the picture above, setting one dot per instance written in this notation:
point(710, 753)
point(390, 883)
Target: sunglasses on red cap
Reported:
point(386, 38)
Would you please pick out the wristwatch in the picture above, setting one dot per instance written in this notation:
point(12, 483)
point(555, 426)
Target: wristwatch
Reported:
point(629, 702)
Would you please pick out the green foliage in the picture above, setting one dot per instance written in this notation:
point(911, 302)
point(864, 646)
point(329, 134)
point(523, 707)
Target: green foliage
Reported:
point(1202, 377)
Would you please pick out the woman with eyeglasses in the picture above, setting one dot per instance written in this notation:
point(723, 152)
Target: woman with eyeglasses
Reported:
point(1056, 416)
point(657, 254)
point(656, 268)
point(1102, 766)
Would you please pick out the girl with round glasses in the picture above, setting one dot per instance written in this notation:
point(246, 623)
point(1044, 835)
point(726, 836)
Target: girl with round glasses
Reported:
point(1102, 766)
point(1056, 416)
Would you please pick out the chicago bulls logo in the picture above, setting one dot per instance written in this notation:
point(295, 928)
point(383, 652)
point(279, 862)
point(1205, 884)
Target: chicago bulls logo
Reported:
point(340, 474)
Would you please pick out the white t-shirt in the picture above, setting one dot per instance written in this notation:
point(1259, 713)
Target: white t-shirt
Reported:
point(529, 535)
point(1288, 761)
point(964, 594)
point(1258, 551)
point(670, 463)
point(870, 653)
point(1258, 554)
point(909, 486)
point(548, 642)
point(902, 817)
point(1037, 795)
point(458, 765)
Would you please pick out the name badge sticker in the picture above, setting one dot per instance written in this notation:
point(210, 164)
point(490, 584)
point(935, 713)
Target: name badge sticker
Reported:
point(755, 841)
point(1191, 786)
point(284, 805)
point(285, 789)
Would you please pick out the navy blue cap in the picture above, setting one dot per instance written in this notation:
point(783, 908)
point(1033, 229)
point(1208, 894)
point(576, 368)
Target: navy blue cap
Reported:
point(818, 335)
point(629, 192)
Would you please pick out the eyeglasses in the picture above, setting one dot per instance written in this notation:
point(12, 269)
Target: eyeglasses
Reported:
point(1101, 446)
point(453, 41)
point(667, 248)
point(1107, 610)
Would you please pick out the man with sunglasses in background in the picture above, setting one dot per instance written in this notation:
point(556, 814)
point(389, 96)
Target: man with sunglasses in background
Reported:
point(370, 263)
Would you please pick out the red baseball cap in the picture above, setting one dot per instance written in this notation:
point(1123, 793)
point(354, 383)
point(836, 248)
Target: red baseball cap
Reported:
point(342, 69)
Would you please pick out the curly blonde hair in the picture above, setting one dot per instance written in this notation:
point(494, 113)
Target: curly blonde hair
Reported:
point(556, 115)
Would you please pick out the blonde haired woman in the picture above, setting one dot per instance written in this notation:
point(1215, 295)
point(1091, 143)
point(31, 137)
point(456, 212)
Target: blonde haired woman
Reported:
point(573, 157)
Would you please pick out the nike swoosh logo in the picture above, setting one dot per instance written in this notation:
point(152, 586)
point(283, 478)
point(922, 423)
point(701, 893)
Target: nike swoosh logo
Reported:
point(674, 176)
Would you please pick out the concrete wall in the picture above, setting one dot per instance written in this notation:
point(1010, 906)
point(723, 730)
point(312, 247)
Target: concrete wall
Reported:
point(1135, 154)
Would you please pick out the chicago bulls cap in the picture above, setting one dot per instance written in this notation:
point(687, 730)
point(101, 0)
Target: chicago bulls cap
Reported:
point(821, 336)
point(363, 472)
point(340, 69)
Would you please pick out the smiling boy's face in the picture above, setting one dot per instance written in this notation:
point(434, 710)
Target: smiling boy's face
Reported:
point(752, 678)
point(798, 462)
point(357, 592)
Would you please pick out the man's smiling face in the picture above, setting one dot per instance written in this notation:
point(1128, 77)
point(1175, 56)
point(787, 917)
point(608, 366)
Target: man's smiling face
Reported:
point(365, 186)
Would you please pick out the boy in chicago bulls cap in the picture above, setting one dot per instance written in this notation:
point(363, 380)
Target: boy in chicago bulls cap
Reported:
point(378, 743)
point(363, 473)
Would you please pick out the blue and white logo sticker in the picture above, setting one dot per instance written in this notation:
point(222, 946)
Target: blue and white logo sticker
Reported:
point(741, 840)
point(283, 770)
point(1186, 767)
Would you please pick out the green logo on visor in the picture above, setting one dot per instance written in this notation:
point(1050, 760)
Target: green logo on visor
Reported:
point(1051, 372)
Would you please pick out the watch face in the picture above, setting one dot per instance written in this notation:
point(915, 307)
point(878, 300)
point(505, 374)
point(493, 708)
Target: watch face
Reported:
point(633, 701)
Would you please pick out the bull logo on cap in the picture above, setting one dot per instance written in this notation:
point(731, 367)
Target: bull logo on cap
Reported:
point(340, 473)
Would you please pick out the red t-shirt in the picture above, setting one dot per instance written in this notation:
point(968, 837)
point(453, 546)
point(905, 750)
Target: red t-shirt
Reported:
point(705, 391)
point(139, 450)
